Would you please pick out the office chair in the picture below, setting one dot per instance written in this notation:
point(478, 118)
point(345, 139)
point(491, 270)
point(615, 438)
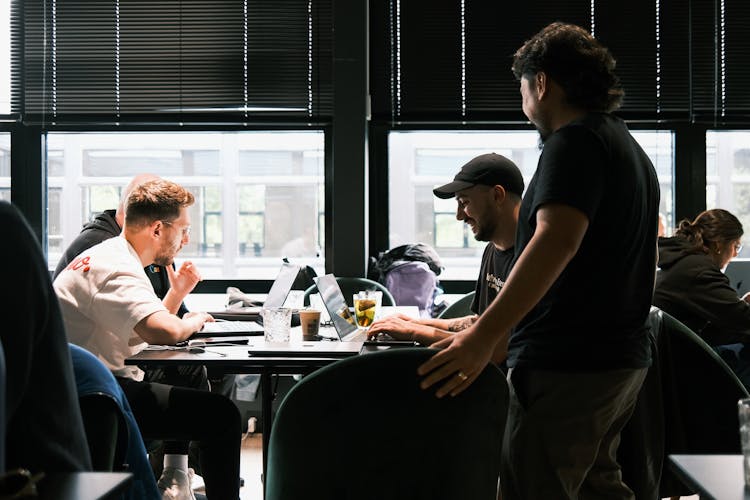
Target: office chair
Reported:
point(362, 428)
point(459, 308)
point(114, 440)
point(687, 405)
point(350, 286)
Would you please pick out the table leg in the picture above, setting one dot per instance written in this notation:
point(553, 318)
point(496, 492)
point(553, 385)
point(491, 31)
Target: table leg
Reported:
point(266, 414)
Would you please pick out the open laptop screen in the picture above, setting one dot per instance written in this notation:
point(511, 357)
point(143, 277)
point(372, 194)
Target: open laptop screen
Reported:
point(282, 285)
point(738, 272)
point(335, 303)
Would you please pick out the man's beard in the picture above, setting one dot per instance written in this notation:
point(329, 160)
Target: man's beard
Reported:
point(165, 257)
point(163, 260)
point(543, 136)
point(483, 233)
point(544, 132)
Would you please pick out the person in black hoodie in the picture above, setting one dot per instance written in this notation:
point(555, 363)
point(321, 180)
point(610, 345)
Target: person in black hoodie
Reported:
point(691, 286)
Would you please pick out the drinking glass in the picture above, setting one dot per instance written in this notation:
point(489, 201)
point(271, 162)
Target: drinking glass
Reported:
point(366, 306)
point(277, 323)
point(310, 321)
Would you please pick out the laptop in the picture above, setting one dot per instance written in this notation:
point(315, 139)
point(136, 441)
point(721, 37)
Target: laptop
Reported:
point(277, 295)
point(303, 349)
point(343, 319)
point(221, 327)
point(738, 272)
point(250, 324)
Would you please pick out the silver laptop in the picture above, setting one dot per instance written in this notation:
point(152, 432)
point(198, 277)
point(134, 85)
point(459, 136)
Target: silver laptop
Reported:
point(304, 349)
point(276, 297)
point(227, 321)
point(342, 318)
point(322, 348)
point(282, 285)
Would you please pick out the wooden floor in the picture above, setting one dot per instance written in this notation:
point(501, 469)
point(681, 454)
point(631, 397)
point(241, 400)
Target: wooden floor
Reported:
point(251, 465)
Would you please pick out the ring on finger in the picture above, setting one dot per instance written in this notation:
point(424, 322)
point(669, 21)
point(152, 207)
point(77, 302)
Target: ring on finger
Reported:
point(461, 375)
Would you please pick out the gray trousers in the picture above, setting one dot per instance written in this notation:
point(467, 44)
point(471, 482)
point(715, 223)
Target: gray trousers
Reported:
point(563, 431)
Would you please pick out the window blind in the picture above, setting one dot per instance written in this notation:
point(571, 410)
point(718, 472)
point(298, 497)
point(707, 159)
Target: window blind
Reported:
point(178, 60)
point(720, 51)
point(649, 42)
point(456, 67)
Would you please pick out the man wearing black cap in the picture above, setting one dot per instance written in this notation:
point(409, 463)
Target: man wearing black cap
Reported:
point(488, 193)
point(580, 290)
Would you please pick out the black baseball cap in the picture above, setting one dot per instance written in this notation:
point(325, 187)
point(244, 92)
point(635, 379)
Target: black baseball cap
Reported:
point(489, 169)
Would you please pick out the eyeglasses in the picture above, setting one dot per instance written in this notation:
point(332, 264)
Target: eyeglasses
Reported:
point(19, 483)
point(738, 247)
point(185, 230)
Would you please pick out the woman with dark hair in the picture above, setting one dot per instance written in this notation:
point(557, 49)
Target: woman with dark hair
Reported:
point(691, 286)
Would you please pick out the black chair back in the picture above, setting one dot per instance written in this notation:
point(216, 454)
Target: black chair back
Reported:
point(460, 308)
point(362, 428)
point(687, 405)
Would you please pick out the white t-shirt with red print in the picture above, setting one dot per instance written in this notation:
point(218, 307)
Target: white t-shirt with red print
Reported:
point(103, 294)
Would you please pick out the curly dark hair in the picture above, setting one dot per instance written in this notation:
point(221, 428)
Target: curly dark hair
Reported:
point(574, 59)
point(711, 227)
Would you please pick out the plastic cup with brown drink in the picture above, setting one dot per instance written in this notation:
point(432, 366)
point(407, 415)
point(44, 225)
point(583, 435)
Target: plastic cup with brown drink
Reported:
point(366, 305)
point(310, 321)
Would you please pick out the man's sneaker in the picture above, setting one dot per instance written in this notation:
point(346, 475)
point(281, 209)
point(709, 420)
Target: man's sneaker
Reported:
point(175, 484)
point(196, 482)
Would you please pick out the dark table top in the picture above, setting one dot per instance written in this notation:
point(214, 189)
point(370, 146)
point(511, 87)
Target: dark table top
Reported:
point(234, 358)
point(237, 358)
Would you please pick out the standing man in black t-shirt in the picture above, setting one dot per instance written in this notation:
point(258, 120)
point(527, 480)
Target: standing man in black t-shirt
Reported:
point(581, 287)
point(488, 193)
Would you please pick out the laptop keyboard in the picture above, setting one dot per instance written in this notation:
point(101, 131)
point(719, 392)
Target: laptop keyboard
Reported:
point(231, 326)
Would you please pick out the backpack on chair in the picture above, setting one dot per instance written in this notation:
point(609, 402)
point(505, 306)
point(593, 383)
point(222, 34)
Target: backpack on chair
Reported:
point(413, 284)
point(410, 273)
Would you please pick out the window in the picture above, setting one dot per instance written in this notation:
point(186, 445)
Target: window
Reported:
point(259, 195)
point(728, 175)
point(659, 146)
point(420, 161)
point(5, 166)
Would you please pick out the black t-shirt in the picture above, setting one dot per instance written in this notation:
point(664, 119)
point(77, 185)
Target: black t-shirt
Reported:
point(593, 317)
point(494, 271)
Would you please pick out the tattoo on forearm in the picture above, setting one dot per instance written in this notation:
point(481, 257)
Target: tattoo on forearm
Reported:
point(461, 323)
